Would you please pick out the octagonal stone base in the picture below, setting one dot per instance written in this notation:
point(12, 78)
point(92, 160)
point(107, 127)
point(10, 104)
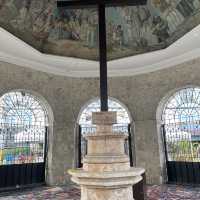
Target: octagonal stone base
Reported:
point(107, 194)
point(106, 173)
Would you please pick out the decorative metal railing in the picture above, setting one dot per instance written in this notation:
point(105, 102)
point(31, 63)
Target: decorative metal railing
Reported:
point(21, 144)
point(182, 142)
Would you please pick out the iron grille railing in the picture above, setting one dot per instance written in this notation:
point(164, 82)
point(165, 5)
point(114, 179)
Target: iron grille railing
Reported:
point(22, 144)
point(181, 131)
point(182, 141)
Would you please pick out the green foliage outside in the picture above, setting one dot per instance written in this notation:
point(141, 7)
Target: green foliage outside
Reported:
point(184, 151)
point(1, 156)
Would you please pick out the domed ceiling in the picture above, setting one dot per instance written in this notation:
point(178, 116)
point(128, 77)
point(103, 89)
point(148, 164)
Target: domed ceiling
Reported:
point(74, 33)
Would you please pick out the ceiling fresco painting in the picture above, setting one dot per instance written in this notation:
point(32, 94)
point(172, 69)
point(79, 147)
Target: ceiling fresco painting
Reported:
point(74, 33)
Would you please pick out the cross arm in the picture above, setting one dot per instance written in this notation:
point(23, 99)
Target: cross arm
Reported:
point(93, 3)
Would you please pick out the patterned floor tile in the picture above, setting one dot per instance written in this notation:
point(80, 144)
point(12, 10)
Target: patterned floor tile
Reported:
point(164, 192)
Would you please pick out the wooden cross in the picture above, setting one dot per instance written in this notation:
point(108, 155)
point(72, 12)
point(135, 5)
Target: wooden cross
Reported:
point(101, 5)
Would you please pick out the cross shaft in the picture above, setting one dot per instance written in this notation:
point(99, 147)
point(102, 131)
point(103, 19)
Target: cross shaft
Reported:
point(101, 5)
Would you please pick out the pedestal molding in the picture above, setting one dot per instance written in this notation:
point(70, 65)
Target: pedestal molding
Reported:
point(105, 136)
point(105, 159)
point(106, 172)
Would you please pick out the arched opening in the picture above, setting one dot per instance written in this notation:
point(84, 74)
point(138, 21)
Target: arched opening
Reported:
point(84, 125)
point(24, 127)
point(180, 131)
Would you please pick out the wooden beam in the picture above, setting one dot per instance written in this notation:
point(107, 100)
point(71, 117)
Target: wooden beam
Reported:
point(92, 3)
point(103, 57)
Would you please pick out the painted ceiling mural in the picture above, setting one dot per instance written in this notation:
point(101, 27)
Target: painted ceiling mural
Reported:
point(74, 33)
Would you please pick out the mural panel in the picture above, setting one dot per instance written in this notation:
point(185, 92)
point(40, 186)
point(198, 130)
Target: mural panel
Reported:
point(74, 33)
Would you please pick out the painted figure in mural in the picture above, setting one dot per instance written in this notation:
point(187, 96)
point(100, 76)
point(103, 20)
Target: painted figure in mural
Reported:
point(75, 24)
point(24, 19)
point(147, 33)
point(173, 16)
point(60, 29)
point(186, 7)
point(110, 37)
point(118, 36)
point(169, 12)
point(145, 24)
point(196, 4)
point(136, 24)
point(84, 28)
point(8, 11)
point(43, 23)
point(143, 14)
point(36, 8)
point(161, 4)
point(76, 32)
point(52, 34)
point(134, 18)
point(160, 29)
point(2, 3)
point(92, 34)
point(65, 27)
point(126, 15)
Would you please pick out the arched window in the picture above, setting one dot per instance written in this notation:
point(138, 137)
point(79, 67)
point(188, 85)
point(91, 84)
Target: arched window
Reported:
point(181, 128)
point(183, 107)
point(23, 121)
point(86, 126)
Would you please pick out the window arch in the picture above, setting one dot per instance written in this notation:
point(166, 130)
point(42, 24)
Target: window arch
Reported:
point(23, 122)
point(182, 107)
point(181, 115)
point(180, 125)
point(22, 109)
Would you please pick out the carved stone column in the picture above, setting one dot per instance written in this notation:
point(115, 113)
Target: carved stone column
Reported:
point(106, 173)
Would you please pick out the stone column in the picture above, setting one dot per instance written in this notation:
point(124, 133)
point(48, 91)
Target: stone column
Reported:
point(106, 173)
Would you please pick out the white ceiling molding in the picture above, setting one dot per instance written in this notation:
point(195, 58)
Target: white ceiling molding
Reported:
point(15, 51)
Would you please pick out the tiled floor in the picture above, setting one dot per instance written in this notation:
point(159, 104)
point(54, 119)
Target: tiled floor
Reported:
point(60, 193)
point(173, 192)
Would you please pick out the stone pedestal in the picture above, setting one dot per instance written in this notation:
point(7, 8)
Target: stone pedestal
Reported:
point(106, 173)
